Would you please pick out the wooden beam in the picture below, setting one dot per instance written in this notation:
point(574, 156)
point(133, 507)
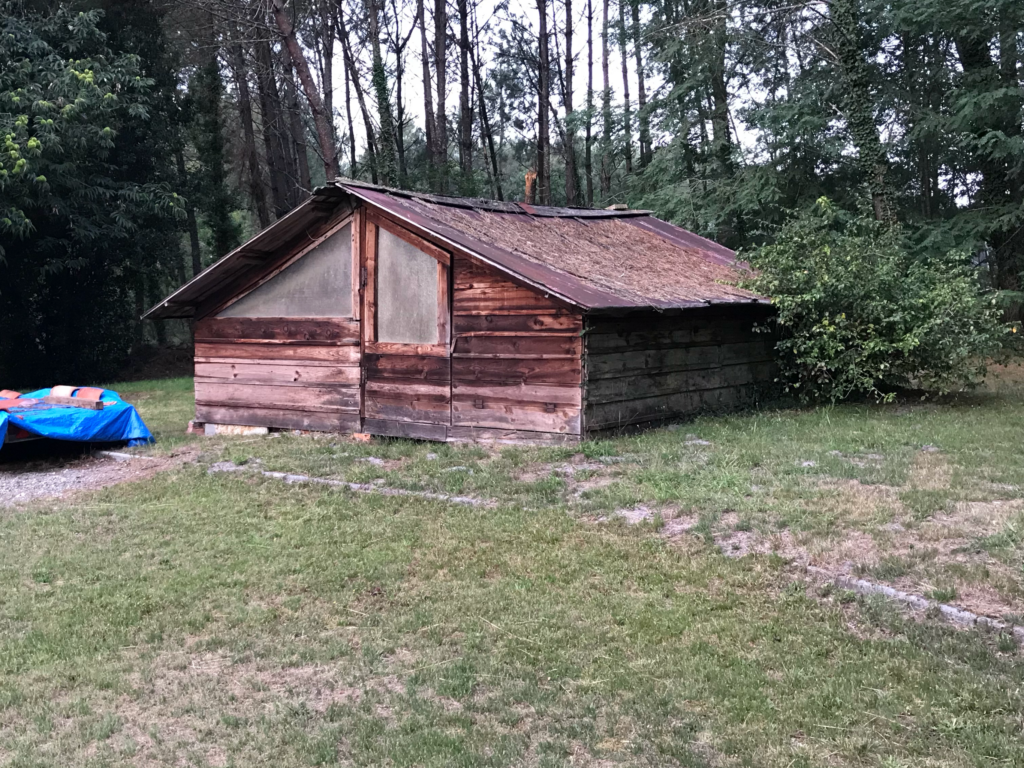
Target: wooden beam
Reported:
point(414, 240)
point(370, 288)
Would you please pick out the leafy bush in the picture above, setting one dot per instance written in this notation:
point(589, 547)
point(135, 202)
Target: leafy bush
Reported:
point(860, 312)
point(87, 216)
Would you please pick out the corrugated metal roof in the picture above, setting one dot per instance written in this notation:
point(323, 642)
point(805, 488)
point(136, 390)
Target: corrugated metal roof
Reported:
point(594, 259)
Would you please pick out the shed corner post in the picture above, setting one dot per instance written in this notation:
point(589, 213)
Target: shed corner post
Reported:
point(584, 333)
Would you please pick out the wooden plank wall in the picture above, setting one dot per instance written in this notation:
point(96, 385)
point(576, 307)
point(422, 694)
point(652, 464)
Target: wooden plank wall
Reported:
point(410, 389)
point(278, 372)
point(516, 360)
point(407, 387)
point(649, 367)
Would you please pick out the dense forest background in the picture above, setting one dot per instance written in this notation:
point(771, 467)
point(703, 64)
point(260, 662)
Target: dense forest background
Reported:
point(143, 139)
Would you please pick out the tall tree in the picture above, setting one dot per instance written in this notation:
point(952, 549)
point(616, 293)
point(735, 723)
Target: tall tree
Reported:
point(571, 174)
point(588, 160)
point(281, 173)
point(485, 124)
point(859, 106)
point(543, 109)
point(465, 106)
point(441, 72)
point(353, 77)
point(644, 118)
point(324, 132)
point(627, 127)
point(257, 187)
point(387, 165)
point(606, 111)
point(207, 92)
point(297, 131)
point(428, 95)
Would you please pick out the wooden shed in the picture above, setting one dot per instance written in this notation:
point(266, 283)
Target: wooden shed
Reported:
point(398, 313)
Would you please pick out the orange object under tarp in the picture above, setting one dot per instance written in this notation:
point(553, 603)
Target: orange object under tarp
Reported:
point(9, 394)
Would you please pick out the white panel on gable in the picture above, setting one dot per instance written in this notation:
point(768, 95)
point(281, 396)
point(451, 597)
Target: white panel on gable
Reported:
point(319, 284)
point(407, 296)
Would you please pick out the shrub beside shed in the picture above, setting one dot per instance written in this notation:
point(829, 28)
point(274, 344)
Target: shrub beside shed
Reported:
point(398, 313)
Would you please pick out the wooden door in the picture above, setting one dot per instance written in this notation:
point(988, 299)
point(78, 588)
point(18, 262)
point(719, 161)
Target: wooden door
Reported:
point(406, 333)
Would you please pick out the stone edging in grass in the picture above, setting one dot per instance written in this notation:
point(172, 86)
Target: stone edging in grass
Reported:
point(949, 612)
point(230, 466)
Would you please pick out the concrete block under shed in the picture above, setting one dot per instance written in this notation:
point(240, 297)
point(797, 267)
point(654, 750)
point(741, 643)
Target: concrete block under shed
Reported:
point(234, 429)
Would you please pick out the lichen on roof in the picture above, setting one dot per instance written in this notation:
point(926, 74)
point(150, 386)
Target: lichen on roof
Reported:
point(614, 253)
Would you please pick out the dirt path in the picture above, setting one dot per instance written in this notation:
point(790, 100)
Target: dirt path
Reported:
point(22, 482)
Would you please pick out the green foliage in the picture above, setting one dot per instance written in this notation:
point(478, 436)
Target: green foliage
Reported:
point(860, 312)
point(83, 211)
point(206, 93)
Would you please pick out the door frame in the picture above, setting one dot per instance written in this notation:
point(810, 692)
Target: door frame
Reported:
point(368, 224)
point(371, 223)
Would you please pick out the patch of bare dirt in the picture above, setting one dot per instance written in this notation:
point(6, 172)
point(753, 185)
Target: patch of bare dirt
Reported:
point(734, 542)
point(930, 471)
point(579, 473)
point(387, 465)
point(941, 549)
point(972, 519)
point(860, 459)
point(854, 500)
point(30, 481)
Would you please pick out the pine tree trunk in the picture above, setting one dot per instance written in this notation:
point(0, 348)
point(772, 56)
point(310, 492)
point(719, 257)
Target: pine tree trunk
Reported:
point(720, 132)
point(441, 70)
point(606, 112)
point(465, 107)
point(588, 159)
point(327, 69)
point(858, 106)
point(257, 189)
point(298, 133)
point(322, 121)
point(627, 117)
point(353, 160)
point(571, 182)
point(543, 122)
point(644, 118)
point(428, 96)
point(273, 127)
point(386, 161)
point(353, 74)
point(190, 216)
point(399, 48)
point(208, 93)
point(485, 124)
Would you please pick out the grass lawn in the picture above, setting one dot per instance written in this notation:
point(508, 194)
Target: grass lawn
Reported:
point(585, 616)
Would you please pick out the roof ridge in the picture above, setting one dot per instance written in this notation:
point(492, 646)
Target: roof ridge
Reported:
point(485, 204)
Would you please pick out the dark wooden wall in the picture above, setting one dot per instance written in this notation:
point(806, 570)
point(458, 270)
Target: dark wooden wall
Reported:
point(649, 367)
point(278, 372)
point(516, 360)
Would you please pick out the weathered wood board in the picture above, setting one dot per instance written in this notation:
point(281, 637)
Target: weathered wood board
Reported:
point(289, 373)
point(516, 359)
point(650, 368)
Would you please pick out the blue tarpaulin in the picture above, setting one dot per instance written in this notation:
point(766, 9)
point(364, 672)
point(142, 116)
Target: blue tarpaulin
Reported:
point(117, 422)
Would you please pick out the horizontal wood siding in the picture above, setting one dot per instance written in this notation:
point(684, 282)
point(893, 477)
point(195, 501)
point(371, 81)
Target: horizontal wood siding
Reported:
point(649, 367)
point(338, 331)
point(516, 370)
point(288, 373)
point(415, 388)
